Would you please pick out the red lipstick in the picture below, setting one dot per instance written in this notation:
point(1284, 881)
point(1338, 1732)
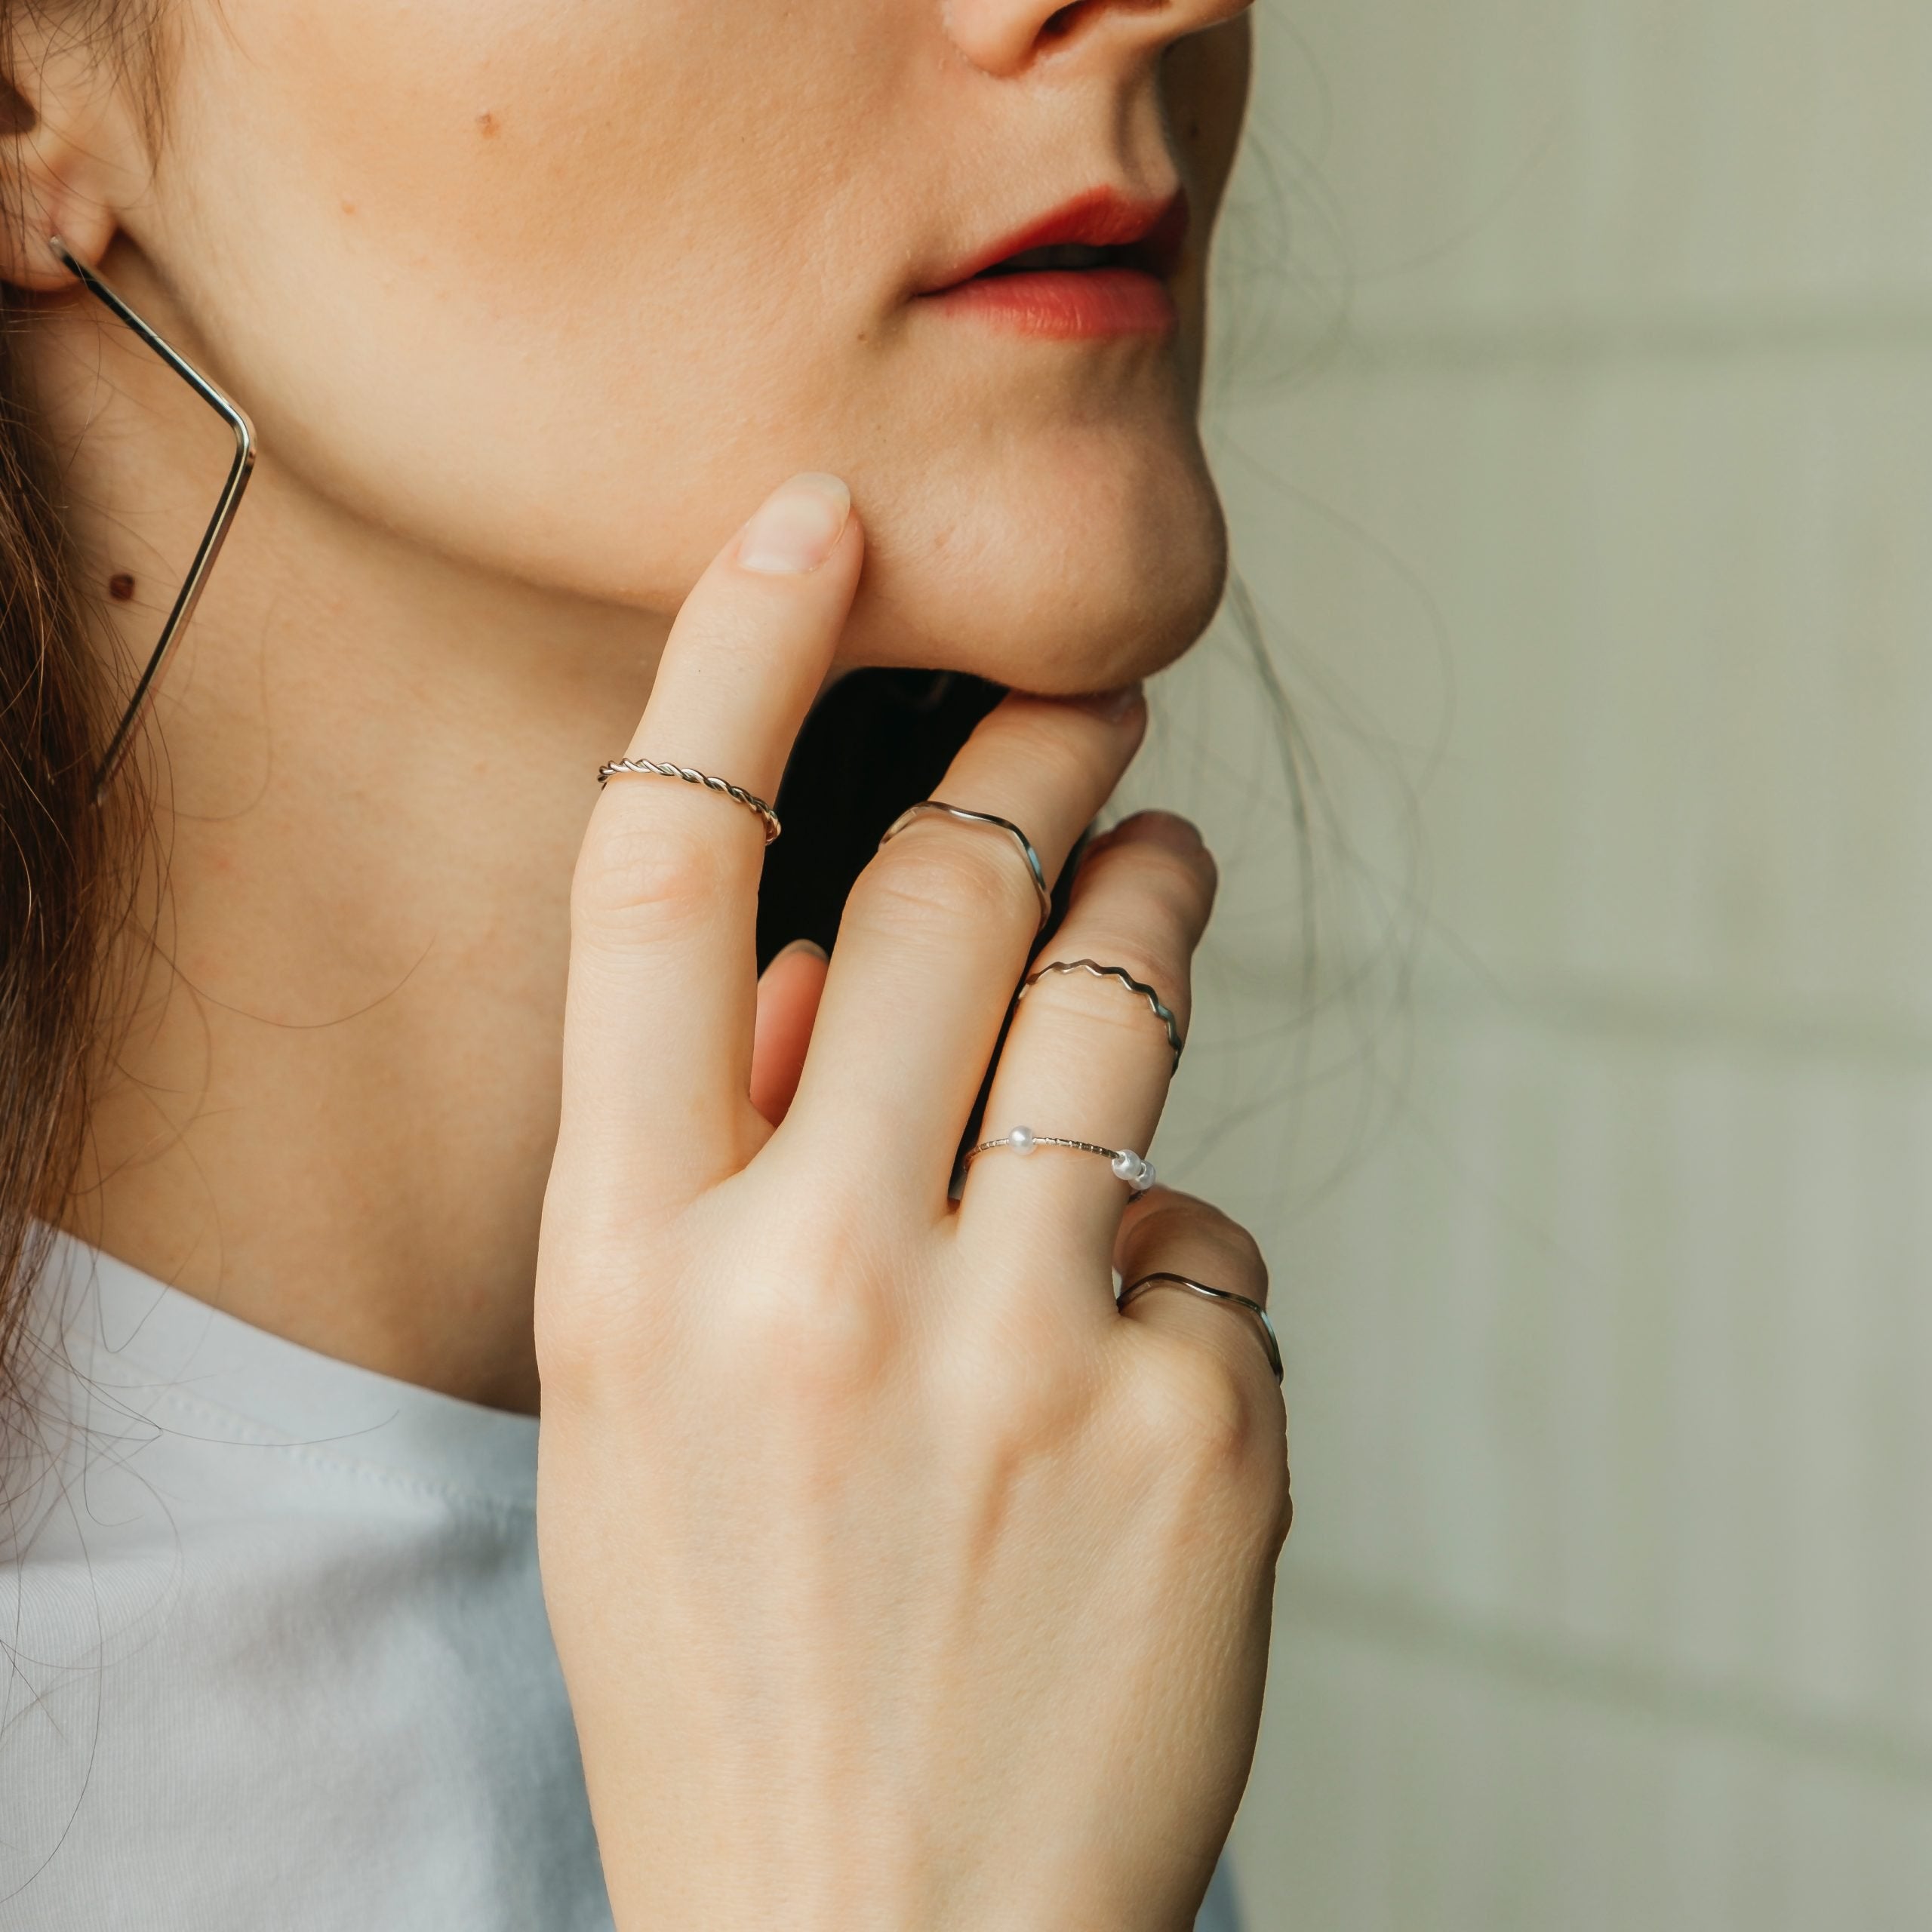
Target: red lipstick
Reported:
point(1098, 266)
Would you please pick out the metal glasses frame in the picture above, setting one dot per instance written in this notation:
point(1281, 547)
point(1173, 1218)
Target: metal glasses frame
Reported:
point(230, 501)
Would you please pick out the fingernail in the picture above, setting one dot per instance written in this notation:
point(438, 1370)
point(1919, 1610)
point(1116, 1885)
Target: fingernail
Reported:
point(1110, 706)
point(797, 527)
point(810, 945)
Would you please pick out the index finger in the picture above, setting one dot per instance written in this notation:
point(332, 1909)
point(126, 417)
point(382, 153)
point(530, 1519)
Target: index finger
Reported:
point(658, 1023)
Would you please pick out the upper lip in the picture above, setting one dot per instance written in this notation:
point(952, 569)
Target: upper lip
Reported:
point(1151, 233)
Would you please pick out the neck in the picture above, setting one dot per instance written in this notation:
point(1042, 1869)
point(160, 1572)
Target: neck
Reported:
point(331, 1097)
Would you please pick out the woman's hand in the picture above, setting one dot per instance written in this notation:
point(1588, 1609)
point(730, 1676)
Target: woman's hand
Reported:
point(899, 1580)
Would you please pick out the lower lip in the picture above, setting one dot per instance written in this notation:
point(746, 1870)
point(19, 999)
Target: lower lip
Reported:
point(1066, 305)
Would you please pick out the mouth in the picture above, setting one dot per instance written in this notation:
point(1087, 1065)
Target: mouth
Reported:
point(1100, 266)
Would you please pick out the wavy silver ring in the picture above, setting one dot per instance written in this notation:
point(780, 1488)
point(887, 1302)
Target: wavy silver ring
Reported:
point(1162, 1012)
point(1035, 871)
point(1128, 1166)
point(1269, 1340)
point(644, 768)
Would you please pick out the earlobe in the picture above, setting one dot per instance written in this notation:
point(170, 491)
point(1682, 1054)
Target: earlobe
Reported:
point(27, 260)
point(60, 174)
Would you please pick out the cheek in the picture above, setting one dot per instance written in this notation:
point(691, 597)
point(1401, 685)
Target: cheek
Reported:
point(504, 136)
point(1205, 82)
point(469, 257)
point(563, 286)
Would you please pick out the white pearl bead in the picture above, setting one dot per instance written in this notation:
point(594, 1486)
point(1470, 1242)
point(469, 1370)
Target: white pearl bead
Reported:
point(1020, 1140)
point(1126, 1163)
point(1145, 1179)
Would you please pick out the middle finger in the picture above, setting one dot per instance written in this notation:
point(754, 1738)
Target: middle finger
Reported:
point(936, 935)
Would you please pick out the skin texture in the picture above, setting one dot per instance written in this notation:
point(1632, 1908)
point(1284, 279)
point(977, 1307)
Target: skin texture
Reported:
point(899, 1581)
point(991, 1564)
point(532, 304)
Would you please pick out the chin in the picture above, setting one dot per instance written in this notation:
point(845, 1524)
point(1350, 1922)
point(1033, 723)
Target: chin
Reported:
point(1053, 582)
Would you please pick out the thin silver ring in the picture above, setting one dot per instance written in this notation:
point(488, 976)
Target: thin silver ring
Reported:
point(1135, 1169)
point(1035, 871)
point(644, 768)
point(1162, 1012)
point(1269, 1340)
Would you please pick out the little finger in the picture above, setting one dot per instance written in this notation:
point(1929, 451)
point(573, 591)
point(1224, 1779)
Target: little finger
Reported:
point(1172, 1246)
point(1195, 1288)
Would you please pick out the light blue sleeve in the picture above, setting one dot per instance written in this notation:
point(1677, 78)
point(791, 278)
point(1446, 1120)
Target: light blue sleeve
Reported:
point(1220, 1911)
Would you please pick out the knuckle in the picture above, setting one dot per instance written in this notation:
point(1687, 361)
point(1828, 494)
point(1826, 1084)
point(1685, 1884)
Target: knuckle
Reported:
point(1058, 758)
point(1159, 924)
point(1281, 1521)
point(1200, 1413)
point(1241, 1252)
point(824, 1344)
point(928, 882)
point(1029, 1401)
point(573, 1350)
point(1153, 958)
point(826, 1327)
point(1104, 1009)
point(595, 1323)
point(586, 1339)
point(1153, 948)
point(1131, 954)
point(633, 873)
point(1172, 1224)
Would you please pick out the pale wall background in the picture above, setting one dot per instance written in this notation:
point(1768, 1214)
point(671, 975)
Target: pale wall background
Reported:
point(1601, 537)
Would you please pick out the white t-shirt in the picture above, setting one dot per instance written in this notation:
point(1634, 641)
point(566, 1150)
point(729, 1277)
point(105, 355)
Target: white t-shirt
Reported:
point(274, 1652)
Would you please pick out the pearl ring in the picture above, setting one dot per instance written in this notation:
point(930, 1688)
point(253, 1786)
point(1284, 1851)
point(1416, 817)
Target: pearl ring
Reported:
point(1134, 1169)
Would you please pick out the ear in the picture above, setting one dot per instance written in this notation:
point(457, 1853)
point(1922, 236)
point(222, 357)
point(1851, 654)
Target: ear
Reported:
point(72, 153)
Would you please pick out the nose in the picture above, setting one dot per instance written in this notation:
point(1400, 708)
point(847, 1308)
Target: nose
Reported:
point(1005, 36)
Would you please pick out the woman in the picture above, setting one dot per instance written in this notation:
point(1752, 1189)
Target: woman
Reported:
point(897, 1578)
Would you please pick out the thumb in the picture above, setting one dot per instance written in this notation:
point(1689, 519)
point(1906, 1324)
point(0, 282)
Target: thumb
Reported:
point(788, 997)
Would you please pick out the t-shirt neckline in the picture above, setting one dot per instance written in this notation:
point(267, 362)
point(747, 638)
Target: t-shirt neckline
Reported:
point(142, 1346)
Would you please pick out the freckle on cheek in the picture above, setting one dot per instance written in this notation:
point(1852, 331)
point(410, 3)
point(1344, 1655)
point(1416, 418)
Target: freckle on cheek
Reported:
point(121, 587)
point(486, 124)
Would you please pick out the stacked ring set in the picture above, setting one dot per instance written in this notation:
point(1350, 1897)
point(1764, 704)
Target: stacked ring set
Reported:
point(1127, 1165)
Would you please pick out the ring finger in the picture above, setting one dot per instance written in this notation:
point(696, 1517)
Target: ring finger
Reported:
point(1088, 1057)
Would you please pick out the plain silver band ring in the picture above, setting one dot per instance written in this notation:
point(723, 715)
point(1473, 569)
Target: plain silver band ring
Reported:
point(1162, 1012)
point(1269, 1340)
point(644, 768)
point(1035, 871)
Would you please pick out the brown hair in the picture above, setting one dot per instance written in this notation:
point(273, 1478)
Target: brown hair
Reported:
point(52, 858)
point(58, 855)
